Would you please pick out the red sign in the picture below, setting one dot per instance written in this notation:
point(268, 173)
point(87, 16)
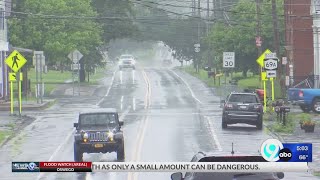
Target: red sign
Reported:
point(258, 41)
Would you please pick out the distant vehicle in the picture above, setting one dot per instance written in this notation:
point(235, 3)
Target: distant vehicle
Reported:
point(127, 61)
point(166, 62)
point(307, 99)
point(202, 157)
point(242, 108)
point(98, 132)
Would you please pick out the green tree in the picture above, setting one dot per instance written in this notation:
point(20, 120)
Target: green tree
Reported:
point(121, 25)
point(47, 27)
point(239, 35)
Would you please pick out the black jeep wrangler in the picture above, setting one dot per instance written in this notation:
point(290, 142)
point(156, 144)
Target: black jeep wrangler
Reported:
point(98, 132)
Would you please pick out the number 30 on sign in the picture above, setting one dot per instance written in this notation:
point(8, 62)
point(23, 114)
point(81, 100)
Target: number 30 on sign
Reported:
point(228, 59)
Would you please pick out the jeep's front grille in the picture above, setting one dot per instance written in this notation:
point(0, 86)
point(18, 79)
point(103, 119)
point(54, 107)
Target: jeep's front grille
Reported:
point(98, 136)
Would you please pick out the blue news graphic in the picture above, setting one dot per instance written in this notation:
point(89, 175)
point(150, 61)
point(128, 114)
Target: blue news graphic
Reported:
point(25, 167)
point(274, 151)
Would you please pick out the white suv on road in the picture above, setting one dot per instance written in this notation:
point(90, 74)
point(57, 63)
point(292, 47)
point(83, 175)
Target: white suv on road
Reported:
point(127, 61)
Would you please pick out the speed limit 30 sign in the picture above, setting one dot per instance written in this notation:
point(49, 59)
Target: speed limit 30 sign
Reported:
point(228, 59)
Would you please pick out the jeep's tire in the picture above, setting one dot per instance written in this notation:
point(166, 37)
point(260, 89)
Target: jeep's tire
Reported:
point(259, 124)
point(77, 153)
point(224, 125)
point(315, 103)
point(121, 153)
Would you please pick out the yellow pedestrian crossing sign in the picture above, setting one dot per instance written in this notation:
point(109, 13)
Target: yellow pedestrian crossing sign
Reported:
point(12, 77)
point(15, 61)
point(260, 60)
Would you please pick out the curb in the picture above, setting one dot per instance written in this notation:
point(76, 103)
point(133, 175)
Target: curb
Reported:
point(30, 108)
point(5, 140)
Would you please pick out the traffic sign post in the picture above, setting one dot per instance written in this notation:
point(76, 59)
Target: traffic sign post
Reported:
point(271, 65)
point(268, 63)
point(228, 60)
point(15, 61)
point(39, 63)
point(75, 57)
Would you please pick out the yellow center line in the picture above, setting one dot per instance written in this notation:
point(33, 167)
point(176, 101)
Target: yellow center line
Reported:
point(143, 126)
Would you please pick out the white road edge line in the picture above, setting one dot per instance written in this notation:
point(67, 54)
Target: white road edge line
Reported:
point(215, 138)
point(121, 103)
point(214, 135)
point(108, 91)
point(192, 94)
point(56, 151)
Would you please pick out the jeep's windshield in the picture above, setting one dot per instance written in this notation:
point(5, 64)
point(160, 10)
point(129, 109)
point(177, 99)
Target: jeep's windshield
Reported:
point(108, 120)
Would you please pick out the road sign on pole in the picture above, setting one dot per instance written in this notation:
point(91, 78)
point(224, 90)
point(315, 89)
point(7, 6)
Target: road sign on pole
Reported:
point(271, 73)
point(271, 61)
point(228, 60)
point(75, 56)
point(197, 45)
point(197, 49)
point(15, 61)
point(262, 57)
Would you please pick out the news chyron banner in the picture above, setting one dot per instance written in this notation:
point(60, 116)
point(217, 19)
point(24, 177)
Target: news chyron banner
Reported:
point(159, 166)
point(51, 166)
point(273, 150)
point(275, 156)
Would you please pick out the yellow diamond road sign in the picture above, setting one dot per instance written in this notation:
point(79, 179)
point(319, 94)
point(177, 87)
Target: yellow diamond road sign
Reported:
point(15, 61)
point(260, 60)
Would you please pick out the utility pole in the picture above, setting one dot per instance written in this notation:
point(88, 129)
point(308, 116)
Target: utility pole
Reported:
point(258, 25)
point(214, 7)
point(276, 43)
point(258, 29)
point(207, 23)
point(208, 16)
point(199, 15)
point(193, 7)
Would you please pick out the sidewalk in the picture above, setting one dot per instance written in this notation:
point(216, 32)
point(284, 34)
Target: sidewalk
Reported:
point(27, 105)
point(10, 125)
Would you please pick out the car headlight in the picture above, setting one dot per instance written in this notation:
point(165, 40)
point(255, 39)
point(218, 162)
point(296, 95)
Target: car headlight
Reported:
point(110, 135)
point(85, 136)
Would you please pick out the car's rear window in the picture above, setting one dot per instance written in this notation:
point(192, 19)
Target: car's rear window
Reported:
point(245, 98)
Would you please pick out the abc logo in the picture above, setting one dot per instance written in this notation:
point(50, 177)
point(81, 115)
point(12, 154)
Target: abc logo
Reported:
point(285, 154)
point(270, 150)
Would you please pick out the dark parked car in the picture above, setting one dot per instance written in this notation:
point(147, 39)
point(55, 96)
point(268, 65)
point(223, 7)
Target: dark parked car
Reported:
point(202, 157)
point(98, 132)
point(242, 108)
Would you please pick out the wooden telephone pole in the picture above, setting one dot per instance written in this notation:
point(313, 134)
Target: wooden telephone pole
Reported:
point(276, 41)
point(258, 35)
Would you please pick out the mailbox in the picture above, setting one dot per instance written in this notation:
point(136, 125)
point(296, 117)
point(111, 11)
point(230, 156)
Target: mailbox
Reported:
point(207, 68)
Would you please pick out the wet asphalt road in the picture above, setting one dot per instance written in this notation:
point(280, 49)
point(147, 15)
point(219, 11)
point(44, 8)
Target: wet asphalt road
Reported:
point(165, 120)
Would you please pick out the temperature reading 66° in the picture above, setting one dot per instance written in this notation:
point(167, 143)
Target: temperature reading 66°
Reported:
point(303, 157)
